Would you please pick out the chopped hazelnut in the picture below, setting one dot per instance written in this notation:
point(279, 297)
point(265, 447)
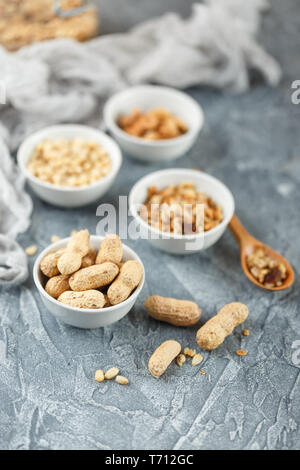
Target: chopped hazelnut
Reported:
point(265, 269)
point(152, 125)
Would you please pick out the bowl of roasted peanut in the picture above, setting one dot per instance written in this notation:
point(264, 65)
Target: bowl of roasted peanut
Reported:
point(69, 165)
point(181, 211)
point(89, 281)
point(153, 123)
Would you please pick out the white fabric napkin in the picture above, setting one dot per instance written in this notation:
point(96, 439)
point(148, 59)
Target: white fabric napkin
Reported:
point(63, 80)
point(15, 211)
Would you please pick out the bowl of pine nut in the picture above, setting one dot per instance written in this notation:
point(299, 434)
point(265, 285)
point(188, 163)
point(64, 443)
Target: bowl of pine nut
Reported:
point(69, 165)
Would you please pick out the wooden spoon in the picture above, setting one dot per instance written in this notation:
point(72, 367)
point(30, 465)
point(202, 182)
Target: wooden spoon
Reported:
point(247, 246)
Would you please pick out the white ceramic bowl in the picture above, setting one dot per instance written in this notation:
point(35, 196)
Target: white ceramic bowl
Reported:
point(79, 317)
point(148, 97)
point(182, 244)
point(65, 196)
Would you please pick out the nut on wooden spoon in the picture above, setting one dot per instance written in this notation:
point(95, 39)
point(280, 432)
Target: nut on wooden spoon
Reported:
point(248, 245)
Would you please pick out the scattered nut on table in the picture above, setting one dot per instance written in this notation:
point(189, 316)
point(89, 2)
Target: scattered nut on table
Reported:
point(180, 360)
point(99, 375)
point(121, 380)
point(163, 356)
point(55, 238)
point(197, 359)
point(189, 352)
point(241, 352)
point(173, 311)
point(31, 250)
point(111, 373)
point(212, 334)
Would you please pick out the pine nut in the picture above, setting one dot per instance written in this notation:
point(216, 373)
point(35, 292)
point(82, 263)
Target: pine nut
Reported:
point(122, 380)
point(31, 250)
point(99, 375)
point(111, 373)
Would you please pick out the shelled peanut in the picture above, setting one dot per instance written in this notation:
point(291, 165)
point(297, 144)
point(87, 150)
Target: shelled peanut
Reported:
point(162, 357)
point(112, 373)
point(57, 285)
point(111, 249)
point(87, 299)
point(49, 263)
point(209, 336)
point(78, 274)
point(173, 311)
point(89, 259)
point(93, 277)
point(130, 276)
point(77, 248)
point(214, 331)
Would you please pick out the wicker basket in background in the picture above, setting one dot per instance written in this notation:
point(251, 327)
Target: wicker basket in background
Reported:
point(23, 22)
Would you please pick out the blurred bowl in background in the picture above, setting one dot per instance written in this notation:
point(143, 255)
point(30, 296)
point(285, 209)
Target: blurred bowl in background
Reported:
point(146, 98)
point(63, 196)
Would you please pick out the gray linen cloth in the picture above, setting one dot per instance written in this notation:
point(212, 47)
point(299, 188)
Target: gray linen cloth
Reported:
point(66, 81)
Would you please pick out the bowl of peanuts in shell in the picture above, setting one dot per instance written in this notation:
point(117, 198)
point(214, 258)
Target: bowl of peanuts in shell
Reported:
point(89, 281)
point(181, 211)
point(153, 123)
point(69, 165)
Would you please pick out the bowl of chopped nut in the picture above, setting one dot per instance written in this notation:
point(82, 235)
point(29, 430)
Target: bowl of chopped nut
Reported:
point(181, 211)
point(69, 165)
point(153, 123)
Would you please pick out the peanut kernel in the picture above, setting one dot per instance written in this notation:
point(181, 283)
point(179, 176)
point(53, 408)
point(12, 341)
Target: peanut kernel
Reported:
point(111, 373)
point(55, 238)
point(31, 250)
point(197, 359)
point(99, 375)
point(241, 352)
point(122, 380)
point(189, 352)
point(180, 360)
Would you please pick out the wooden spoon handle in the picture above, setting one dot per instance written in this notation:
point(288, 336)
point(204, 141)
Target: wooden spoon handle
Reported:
point(239, 231)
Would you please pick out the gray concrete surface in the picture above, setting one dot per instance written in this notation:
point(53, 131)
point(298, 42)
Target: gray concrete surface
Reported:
point(48, 398)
